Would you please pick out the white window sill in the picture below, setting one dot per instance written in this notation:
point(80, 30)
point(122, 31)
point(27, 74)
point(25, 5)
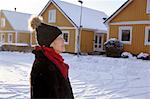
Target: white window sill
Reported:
point(66, 43)
point(52, 22)
point(126, 42)
point(147, 43)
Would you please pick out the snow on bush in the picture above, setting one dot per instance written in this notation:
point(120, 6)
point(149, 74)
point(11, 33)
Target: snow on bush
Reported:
point(113, 42)
point(126, 55)
point(113, 47)
point(144, 56)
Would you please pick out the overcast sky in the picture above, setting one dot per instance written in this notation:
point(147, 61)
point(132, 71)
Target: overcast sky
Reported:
point(35, 6)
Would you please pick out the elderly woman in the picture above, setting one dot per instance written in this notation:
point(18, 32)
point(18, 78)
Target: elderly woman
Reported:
point(49, 74)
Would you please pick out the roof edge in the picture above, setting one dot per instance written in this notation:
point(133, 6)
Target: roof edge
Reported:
point(118, 11)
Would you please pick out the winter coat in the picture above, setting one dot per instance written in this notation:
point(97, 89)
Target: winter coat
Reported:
point(47, 81)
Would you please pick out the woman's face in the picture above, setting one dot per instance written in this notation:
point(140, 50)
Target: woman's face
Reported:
point(58, 44)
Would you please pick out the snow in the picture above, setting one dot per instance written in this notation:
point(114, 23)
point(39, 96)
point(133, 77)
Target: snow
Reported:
point(111, 40)
point(142, 55)
point(91, 19)
point(127, 54)
point(92, 77)
point(19, 21)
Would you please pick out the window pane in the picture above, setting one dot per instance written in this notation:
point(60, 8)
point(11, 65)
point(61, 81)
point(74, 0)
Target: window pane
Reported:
point(100, 39)
point(95, 46)
point(10, 38)
point(52, 16)
point(125, 35)
point(2, 22)
point(96, 39)
point(65, 37)
point(149, 36)
point(3, 38)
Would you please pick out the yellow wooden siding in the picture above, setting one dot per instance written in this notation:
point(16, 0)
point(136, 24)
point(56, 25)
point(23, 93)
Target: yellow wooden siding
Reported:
point(8, 26)
point(23, 38)
point(86, 43)
point(138, 39)
point(71, 46)
point(105, 38)
point(14, 37)
point(34, 41)
point(135, 11)
point(61, 20)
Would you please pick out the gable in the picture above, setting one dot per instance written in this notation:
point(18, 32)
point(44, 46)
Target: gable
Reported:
point(61, 19)
point(91, 19)
point(19, 21)
point(135, 11)
point(8, 26)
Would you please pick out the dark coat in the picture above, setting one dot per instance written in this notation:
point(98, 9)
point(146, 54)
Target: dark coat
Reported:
point(47, 81)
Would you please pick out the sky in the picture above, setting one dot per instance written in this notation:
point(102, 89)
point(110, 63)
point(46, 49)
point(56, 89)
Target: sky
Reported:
point(35, 6)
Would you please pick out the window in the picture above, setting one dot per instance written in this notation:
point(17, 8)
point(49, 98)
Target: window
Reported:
point(147, 35)
point(125, 34)
point(2, 22)
point(2, 38)
point(52, 16)
point(10, 38)
point(148, 7)
point(65, 35)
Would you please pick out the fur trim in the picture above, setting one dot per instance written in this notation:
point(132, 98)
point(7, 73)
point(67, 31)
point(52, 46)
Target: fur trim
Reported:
point(34, 22)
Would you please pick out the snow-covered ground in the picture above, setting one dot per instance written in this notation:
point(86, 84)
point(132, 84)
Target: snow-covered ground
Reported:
point(92, 77)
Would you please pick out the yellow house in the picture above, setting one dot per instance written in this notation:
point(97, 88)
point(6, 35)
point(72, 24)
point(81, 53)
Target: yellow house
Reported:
point(14, 32)
point(131, 25)
point(66, 16)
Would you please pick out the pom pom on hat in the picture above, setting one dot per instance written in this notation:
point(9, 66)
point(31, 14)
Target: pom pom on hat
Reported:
point(35, 22)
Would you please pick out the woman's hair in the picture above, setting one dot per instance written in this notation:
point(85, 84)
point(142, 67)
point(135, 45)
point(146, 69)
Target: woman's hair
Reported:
point(34, 22)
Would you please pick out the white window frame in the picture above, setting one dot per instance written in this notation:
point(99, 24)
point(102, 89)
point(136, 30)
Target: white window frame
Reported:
point(52, 16)
point(120, 34)
point(10, 34)
point(3, 22)
point(65, 32)
point(147, 28)
point(2, 40)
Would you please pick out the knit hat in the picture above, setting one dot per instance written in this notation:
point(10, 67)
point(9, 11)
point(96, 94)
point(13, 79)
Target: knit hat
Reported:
point(46, 34)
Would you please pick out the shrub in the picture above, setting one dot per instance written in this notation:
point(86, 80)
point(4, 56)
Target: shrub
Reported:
point(113, 48)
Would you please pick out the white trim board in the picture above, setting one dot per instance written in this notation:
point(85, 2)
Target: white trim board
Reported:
point(6, 31)
point(14, 31)
point(67, 28)
point(131, 22)
point(17, 44)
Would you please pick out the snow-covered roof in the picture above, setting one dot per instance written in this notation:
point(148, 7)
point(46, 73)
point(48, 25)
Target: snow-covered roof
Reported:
point(19, 21)
point(91, 19)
